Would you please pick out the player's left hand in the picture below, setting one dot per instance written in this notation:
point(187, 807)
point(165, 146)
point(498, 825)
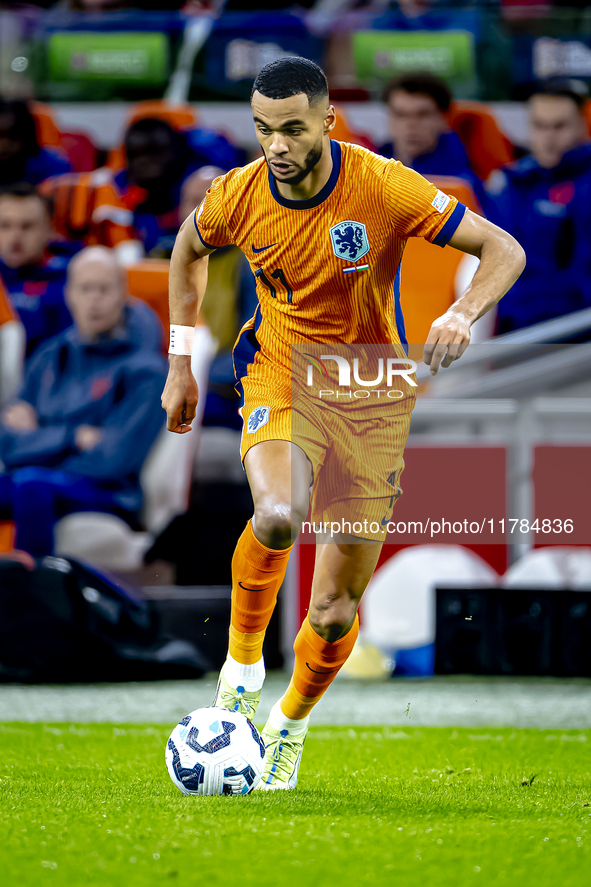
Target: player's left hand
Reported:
point(448, 338)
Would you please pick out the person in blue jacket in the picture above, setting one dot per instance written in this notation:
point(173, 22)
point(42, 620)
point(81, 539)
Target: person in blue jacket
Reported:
point(544, 201)
point(21, 156)
point(421, 137)
point(35, 279)
point(88, 413)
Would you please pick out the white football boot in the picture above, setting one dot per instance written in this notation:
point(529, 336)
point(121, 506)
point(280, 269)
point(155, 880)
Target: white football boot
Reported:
point(231, 692)
point(282, 758)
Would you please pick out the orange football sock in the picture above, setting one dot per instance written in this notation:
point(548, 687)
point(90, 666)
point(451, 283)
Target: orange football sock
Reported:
point(257, 574)
point(317, 663)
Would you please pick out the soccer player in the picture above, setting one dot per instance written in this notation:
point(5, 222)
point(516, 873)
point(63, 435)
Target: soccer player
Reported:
point(323, 225)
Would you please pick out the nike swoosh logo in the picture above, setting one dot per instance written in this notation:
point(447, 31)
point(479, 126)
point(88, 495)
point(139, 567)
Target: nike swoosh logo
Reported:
point(321, 672)
point(246, 588)
point(261, 249)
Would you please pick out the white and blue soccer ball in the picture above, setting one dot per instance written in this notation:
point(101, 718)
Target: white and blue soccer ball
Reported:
point(214, 751)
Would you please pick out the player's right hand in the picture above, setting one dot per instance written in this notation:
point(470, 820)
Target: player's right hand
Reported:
point(180, 395)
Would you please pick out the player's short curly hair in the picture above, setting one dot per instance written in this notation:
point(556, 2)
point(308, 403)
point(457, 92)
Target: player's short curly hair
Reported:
point(291, 76)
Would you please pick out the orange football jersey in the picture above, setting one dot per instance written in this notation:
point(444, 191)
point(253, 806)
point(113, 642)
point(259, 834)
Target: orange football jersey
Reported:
point(327, 269)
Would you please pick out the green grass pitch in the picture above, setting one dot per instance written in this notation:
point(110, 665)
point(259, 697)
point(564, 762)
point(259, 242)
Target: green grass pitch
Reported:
point(92, 804)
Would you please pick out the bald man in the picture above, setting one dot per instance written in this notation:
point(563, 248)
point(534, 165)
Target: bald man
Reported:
point(88, 412)
point(194, 188)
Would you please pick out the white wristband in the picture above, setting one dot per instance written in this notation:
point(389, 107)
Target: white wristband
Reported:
point(181, 339)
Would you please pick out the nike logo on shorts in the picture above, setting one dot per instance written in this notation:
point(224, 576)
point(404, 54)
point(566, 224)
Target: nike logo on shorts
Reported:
point(261, 249)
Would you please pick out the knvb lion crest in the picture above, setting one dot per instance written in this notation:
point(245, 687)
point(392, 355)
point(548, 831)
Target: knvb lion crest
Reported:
point(258, 418)
point(349, 240)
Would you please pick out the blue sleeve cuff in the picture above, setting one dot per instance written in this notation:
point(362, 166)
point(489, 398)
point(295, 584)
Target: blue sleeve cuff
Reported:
point(208, 245)
point(450, 227)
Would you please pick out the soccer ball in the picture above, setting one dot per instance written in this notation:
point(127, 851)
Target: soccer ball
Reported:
point(214, 751)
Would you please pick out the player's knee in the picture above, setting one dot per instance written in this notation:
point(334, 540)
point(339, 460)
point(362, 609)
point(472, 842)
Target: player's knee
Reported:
point(276, 523)
point(333, 617)
point(329, 627)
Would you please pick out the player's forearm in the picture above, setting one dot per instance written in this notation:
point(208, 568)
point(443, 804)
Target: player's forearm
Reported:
point(187, 279)
point(502, 260)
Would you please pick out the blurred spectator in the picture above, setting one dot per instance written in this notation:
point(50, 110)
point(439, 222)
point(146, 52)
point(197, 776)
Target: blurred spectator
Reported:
point(195, 187)
point(133, 203)
point(21, 157)
point(88, 211)
point(34, 279)
point(156, 163)
point(421, 137)
point(158, 159)
point(88, 414)
point(545, 201)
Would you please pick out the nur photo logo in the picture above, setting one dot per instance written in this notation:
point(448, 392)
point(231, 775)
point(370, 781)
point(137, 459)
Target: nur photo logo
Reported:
point(388, 370)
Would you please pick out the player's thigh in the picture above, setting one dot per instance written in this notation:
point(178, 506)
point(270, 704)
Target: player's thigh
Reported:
point(279, 471)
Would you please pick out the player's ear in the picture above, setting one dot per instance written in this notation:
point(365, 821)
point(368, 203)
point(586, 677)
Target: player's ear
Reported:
point(330, 119)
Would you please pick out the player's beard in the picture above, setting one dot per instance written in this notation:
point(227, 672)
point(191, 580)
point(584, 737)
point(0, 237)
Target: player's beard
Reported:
point(312, 158)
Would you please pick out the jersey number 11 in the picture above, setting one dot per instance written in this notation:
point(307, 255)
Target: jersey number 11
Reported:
point(276, 275)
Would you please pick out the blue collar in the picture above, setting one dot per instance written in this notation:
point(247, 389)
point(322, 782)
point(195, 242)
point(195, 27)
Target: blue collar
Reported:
point(326, 191)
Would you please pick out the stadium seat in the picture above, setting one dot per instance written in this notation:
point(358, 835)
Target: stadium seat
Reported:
point(81, 151)
point(343, 132)
point(179, 116)
point(487, 147)
point(148, 280)
point(105, 540)
point(431, 277)
point(6, 536)
point(48, 133)
point(79, 147)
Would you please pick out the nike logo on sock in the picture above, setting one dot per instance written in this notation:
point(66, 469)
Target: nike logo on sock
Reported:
point(321, 672)
point(246, 588)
